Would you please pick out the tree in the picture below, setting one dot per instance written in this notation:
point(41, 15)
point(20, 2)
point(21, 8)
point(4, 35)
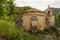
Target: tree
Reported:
point(3, 8)
point(8, 8)
point(13, 10)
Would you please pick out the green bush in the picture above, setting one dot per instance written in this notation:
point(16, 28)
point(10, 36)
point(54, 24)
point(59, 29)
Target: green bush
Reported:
point(8, 31)
point(57, 19)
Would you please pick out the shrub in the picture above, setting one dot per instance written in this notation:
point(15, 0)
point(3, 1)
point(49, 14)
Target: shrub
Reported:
point(8, 31)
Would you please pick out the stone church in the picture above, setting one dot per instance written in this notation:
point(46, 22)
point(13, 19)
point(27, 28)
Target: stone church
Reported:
point(34, 19)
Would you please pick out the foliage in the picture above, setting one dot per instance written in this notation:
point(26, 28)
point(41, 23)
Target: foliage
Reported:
point(3, 7)
point(13, 10)
point(7, 7)
point(57, 18)
point(8, 31)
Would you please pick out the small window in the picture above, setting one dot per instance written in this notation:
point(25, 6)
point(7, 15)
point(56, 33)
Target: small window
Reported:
point(34, 18)
point(48, 13)
point(47, 22)
point(34, 27)
point(47, 19)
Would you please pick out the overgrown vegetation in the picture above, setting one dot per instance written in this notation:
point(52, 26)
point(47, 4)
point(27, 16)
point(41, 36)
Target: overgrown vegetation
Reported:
point(8, 31)
point(8, 14)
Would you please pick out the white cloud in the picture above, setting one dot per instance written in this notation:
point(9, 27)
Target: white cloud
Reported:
point(39, 4)
point(56, 4)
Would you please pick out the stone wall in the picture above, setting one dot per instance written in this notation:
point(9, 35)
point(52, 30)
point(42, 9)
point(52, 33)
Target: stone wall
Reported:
point(40, 22)
point(41, 19)
point(26, 21)
point(52, 20)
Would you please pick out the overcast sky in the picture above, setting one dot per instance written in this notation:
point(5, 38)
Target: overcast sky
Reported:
point(38, 4)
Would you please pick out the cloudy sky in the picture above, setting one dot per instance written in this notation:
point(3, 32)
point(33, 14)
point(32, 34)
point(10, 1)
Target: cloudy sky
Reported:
point(38, 4)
